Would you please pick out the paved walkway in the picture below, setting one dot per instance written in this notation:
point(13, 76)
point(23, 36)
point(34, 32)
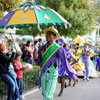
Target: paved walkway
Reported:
point(82, 91)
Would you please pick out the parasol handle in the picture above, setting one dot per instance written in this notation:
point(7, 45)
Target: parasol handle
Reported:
point(12, 38)
point(13, 41)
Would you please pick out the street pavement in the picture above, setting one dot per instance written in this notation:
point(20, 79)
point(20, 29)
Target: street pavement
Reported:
point(84, 90)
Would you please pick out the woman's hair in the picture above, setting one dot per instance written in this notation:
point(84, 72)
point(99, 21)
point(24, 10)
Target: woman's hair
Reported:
point(35, 42)
point(28, 42)
point(18, 54)
point(64, 45)
point(2, 47)
point(40, 39)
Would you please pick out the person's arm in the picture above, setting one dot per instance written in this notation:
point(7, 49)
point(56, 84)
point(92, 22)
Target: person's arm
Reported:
point(65, 63)
point(8, 54)
point(16, 67)
point(73, 57)
point(7, 59)
point(21, 69)
point(92, 52)
point(97, 58)
point(30, 51)
point(38, 57)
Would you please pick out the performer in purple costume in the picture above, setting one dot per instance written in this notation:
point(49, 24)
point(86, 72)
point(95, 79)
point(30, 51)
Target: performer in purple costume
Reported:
point(85, 59)
point(98, 61)
point(48, 76)
point(62, 74)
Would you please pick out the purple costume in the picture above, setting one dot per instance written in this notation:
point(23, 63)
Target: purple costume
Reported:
point(59, 54)
point(61, 71)
point(85, 60)
point(98, 62)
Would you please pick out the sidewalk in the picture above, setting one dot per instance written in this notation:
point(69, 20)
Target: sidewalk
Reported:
point(82, 91)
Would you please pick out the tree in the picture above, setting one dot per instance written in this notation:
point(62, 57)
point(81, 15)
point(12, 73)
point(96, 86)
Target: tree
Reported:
point(8, 5)
point(34, 31)
point(97, 9)
point(79, 13)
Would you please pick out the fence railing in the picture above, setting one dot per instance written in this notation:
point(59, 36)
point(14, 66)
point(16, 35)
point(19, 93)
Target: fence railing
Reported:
point(30, 80)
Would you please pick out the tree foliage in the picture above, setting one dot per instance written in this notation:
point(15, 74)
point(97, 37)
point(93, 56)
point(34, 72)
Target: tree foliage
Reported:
point(8, 5)
point(34, 31)
point(80, 13)
point(97, 9)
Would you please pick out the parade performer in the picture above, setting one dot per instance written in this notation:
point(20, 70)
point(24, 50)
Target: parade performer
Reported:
point(76, 52)
point(98, 62)
point(78, 66)
point(62, 74)
point(96, 52)
point(47, 58)
point(86, 52)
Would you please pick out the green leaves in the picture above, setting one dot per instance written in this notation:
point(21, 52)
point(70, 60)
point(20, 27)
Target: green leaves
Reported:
point(79, 13)
point(82, 14)
point(34, 31)
point(9, 5)
point(1, 14)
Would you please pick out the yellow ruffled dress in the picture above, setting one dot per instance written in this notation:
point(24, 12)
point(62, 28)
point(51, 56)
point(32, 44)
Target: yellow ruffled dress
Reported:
point(78, 66)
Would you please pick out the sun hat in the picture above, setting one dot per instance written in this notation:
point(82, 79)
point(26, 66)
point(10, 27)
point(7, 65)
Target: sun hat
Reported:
point(87, 43)
point(52, 29)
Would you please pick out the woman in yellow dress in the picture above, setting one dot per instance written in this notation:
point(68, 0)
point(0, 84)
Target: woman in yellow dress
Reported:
point(76, 52)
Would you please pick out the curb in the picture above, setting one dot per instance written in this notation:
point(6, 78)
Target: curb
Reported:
point(31, 91)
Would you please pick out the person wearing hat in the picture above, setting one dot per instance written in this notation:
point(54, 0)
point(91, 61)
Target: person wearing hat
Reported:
point(86, 52)
point(76, 51)
point(77, 66)
point(96, 49)
point(47, 58)
point(62, 74)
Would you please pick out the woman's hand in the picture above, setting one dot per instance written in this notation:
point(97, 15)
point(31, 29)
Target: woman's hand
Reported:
point(13, 50)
